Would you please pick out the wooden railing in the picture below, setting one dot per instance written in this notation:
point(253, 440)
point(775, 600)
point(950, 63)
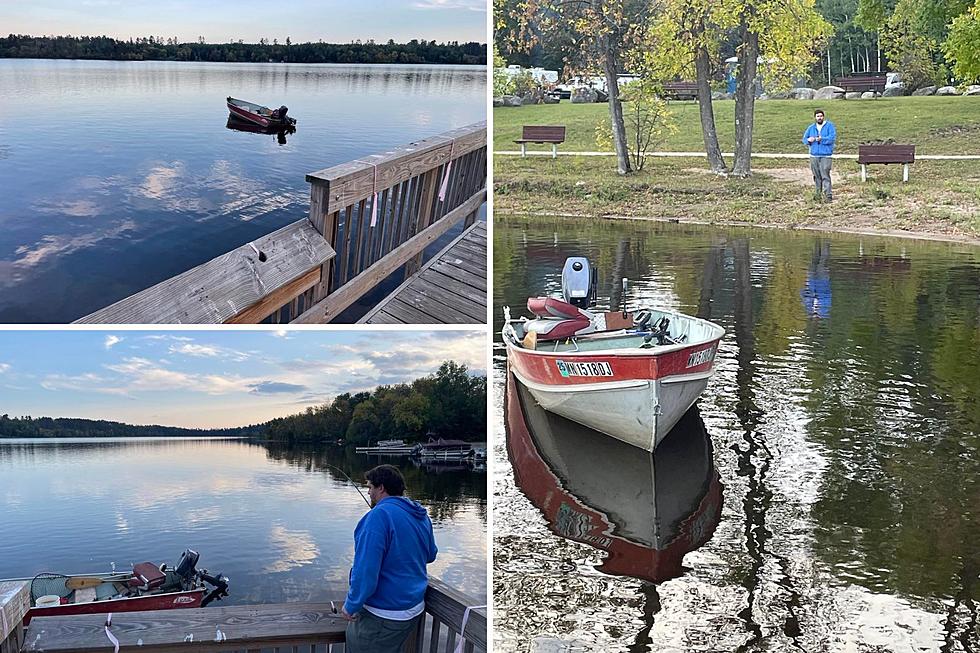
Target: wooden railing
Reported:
point(367, 218)
point(15, 599)
point(292, 627)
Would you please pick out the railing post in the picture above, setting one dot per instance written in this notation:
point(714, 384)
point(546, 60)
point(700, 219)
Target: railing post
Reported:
point(430, 187)
point(324, 221)
point(15, 598)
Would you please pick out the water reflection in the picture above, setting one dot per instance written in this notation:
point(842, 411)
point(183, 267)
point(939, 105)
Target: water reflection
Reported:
point(278, 521)
point(846, 432)
point(278, 131)
point(151, 182)
point(645, 510)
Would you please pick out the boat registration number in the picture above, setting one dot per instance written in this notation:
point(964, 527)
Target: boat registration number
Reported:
point(701, 357)
point(596, 368)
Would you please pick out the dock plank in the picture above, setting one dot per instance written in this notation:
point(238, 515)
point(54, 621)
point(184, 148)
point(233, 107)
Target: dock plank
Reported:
point(450, 289)
point(171, 630)
point(248, 282)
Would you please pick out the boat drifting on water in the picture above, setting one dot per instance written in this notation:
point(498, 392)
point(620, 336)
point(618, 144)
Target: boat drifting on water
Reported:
point(630, 375)
point(260, 115)
point(146, 587)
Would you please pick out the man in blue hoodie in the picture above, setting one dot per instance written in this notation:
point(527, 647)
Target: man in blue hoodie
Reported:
point(393, 543)
point(821, 137)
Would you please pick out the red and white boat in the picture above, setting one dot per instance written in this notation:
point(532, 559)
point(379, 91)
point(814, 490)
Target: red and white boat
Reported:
point(630, 375)
point(646, 511)
point(260, 115)
point(147, 587)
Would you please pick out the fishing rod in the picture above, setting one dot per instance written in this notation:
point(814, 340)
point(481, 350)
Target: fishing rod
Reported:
point(334, 467)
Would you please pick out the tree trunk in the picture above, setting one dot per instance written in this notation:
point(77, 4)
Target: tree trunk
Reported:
point(878, 37)
point(748, 65)
point(615, 105)
point(702, 64)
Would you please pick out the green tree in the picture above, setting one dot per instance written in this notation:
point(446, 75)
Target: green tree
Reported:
point(962, 48)
point(602, 31)
point(787, 34)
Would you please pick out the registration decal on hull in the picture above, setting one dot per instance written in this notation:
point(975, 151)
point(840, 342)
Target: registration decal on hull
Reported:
point(701, 357)
point(595, 368)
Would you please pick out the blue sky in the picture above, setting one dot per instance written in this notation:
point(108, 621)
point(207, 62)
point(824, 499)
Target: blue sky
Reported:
point(211, 378)
point(333, 21)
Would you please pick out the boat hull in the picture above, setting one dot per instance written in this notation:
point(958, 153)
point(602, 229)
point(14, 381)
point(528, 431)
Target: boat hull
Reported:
point(243, 114)
point(169, 601)
point(633, 396)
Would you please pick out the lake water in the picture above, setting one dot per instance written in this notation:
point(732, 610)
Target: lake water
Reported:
point(844, 428)
point(117, 175)
point(276, 520)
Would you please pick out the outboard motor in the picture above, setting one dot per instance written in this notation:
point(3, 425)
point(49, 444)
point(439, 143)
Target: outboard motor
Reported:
point(282, 112)
point(187, 567)
point(220, 584)
point(578, 282)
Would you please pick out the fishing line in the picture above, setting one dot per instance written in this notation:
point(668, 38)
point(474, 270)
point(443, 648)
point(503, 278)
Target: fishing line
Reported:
point(334, 467)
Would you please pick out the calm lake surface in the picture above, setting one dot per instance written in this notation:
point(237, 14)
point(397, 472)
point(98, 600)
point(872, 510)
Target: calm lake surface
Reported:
point(277, 521)
point(844, 427)
point(118, 175)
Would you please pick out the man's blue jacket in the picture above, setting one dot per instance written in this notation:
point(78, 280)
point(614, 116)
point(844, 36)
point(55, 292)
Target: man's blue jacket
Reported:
point(393, 543)
point(828, 137)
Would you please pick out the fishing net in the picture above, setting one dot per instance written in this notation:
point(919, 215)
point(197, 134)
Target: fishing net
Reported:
point(45, 584)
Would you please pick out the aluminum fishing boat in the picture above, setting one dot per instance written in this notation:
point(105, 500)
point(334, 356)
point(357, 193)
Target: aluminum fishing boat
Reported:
point(260, 115)
point(147, 587)
point(630, 375)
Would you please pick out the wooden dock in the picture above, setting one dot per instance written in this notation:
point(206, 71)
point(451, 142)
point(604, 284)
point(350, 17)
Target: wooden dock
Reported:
point(368, 218)
point(292, 627)
point(449, 289)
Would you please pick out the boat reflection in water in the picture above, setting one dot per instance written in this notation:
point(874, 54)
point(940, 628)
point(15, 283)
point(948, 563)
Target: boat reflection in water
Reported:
point(645, 510)
point(279, 131)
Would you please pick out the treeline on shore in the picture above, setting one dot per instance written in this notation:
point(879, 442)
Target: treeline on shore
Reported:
point(153, 48)
point(449, 403)
point(77, 427)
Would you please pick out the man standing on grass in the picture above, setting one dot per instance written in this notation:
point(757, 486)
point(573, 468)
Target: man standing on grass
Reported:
point(820, 137)
point(393, 543)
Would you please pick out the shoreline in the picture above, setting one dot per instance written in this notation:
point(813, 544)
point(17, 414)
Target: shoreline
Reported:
point(822, 227)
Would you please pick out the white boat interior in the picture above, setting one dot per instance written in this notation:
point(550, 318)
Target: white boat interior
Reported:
point(680, 330)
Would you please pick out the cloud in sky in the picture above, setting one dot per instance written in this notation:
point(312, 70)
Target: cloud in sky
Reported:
point(277, 387)
point(215, 378)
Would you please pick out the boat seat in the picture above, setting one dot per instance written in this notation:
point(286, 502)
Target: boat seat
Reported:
point(147, 576)
point(557, 319)
point(549, 307)
point(556, 329)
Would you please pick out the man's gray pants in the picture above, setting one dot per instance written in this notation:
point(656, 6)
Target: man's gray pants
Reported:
point(370, 633)
point(820, 167)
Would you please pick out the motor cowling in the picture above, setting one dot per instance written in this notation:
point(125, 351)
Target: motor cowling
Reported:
point(187, 567)
point(578, 282)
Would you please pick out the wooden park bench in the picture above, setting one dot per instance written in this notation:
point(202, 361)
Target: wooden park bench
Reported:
point(681, 90)
point(862, 82)
point(904, 154)
point(553, 134)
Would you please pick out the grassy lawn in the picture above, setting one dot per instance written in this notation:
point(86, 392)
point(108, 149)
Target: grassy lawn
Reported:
point(941, 199)
point(937, 125)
